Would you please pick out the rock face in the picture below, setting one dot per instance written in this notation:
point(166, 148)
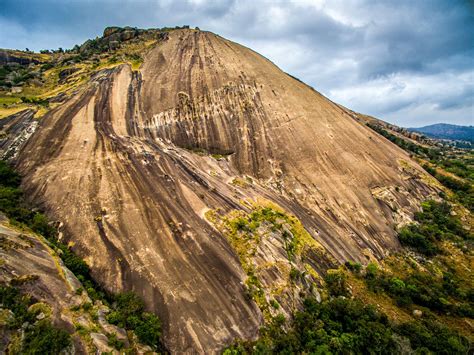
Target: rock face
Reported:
point(132, 163)
point(8, 57)
point(15, 130)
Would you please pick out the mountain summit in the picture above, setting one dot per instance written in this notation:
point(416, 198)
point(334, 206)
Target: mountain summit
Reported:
point(158, 165)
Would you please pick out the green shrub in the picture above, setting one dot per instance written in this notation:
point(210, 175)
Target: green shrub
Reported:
point(114, 342)
point(44, 338)
point(336, 283)
point(353, 266)
point(40, 337)
point(435, 337)
point(8, 176)
point(128, 312)
point(435, 223)
point(148, 330)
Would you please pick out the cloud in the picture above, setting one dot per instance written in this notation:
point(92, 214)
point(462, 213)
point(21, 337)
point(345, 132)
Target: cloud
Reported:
point(403, 61)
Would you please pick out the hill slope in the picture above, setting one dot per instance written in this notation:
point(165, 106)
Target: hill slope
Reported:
point(203, 179)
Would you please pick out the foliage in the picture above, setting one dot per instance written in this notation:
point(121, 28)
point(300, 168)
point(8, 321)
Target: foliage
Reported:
point(463, 191)
point(12, 75)
point(115, 342)
point(348, 326)
point(8, 177)
point(443, 295)
point(405, 144)
point(35, 100)
point(44, 338)
point(460, 167)
point(128, 312)
point(40, 337)
point(11, 299)
point(430, 335)
point(434, 224)
point(438, 289)
point(353, 266)
point(336, 283)
point(148, 330)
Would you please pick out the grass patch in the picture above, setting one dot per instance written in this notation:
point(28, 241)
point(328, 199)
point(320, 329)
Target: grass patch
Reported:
point(245, 232)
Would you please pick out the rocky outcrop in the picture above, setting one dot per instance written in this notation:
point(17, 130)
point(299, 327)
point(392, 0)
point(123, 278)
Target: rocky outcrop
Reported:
point(132, 163)
point(15, 131)
point(31, 264)
point(65, 73)
point(8, 57)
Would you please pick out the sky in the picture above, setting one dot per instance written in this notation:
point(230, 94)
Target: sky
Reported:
point(409, 62)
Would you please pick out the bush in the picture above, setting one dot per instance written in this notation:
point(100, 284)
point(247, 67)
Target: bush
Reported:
point(8, 177)
point(336, 326)
point(40, 337)
point(148, 330)
point(353, 266)
point(336, 283)
point(128, 312)
point(44, 338)
point(463, 191)
point(435, 224)
point(114, 342)
point(435, 337)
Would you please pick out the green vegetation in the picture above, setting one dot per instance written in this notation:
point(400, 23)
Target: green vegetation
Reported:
point(347, 326)
point(406, 144)
point(463, 190)
point(445, 294)
point(437, 286)
point(40, 336)
point(128, 312)
point(434, 224)
point(455, 161)
point(245, 232)
point(35, 100)
point(343, 323)
point(127, 309)
point(460, 165)
point(13, 75)
point(336, 283)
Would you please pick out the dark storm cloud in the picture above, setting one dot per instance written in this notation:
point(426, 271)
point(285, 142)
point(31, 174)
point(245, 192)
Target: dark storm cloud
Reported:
point(410, 62)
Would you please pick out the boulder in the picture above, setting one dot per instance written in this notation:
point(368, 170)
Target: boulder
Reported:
point(110, 30)
point(65, 73)
point(100, 341)
point(128, 35)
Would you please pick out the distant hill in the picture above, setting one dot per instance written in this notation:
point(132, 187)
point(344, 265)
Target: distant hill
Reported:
point(447, 131)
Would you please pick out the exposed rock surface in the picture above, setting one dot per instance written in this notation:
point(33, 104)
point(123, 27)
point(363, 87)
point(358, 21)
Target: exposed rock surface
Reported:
point(10, 57)
point(15, 131)
point(117, 164)
point(28, 262)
